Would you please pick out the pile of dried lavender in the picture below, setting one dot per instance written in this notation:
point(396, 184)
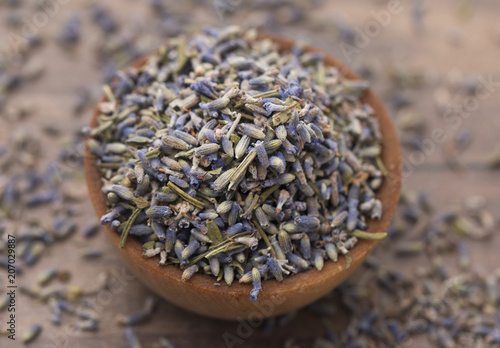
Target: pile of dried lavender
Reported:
point(228, 158)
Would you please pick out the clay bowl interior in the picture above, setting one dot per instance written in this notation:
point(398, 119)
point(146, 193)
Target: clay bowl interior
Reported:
point(200, 295)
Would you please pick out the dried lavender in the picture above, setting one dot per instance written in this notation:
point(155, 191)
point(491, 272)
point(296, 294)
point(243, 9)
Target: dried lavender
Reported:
point(230, 145)
point(25, 189)
point(120, 47)
point(32, 333)
point(448, 308)
point(140, 316)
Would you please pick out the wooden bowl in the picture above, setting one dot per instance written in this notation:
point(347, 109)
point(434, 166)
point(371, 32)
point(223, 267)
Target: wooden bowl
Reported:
point(201, 296)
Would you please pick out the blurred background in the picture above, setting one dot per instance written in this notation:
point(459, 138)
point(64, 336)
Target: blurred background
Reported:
point(433, 63)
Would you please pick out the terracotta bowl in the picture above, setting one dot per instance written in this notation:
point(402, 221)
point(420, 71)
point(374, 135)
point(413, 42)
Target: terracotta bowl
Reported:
point(201, 296)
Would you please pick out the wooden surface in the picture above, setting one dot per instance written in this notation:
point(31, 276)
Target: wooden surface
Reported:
point(430, 52)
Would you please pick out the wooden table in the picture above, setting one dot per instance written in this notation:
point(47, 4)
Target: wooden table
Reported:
point(474, 53)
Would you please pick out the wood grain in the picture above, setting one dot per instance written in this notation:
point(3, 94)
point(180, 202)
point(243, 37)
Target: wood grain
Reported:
point(53, 96)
